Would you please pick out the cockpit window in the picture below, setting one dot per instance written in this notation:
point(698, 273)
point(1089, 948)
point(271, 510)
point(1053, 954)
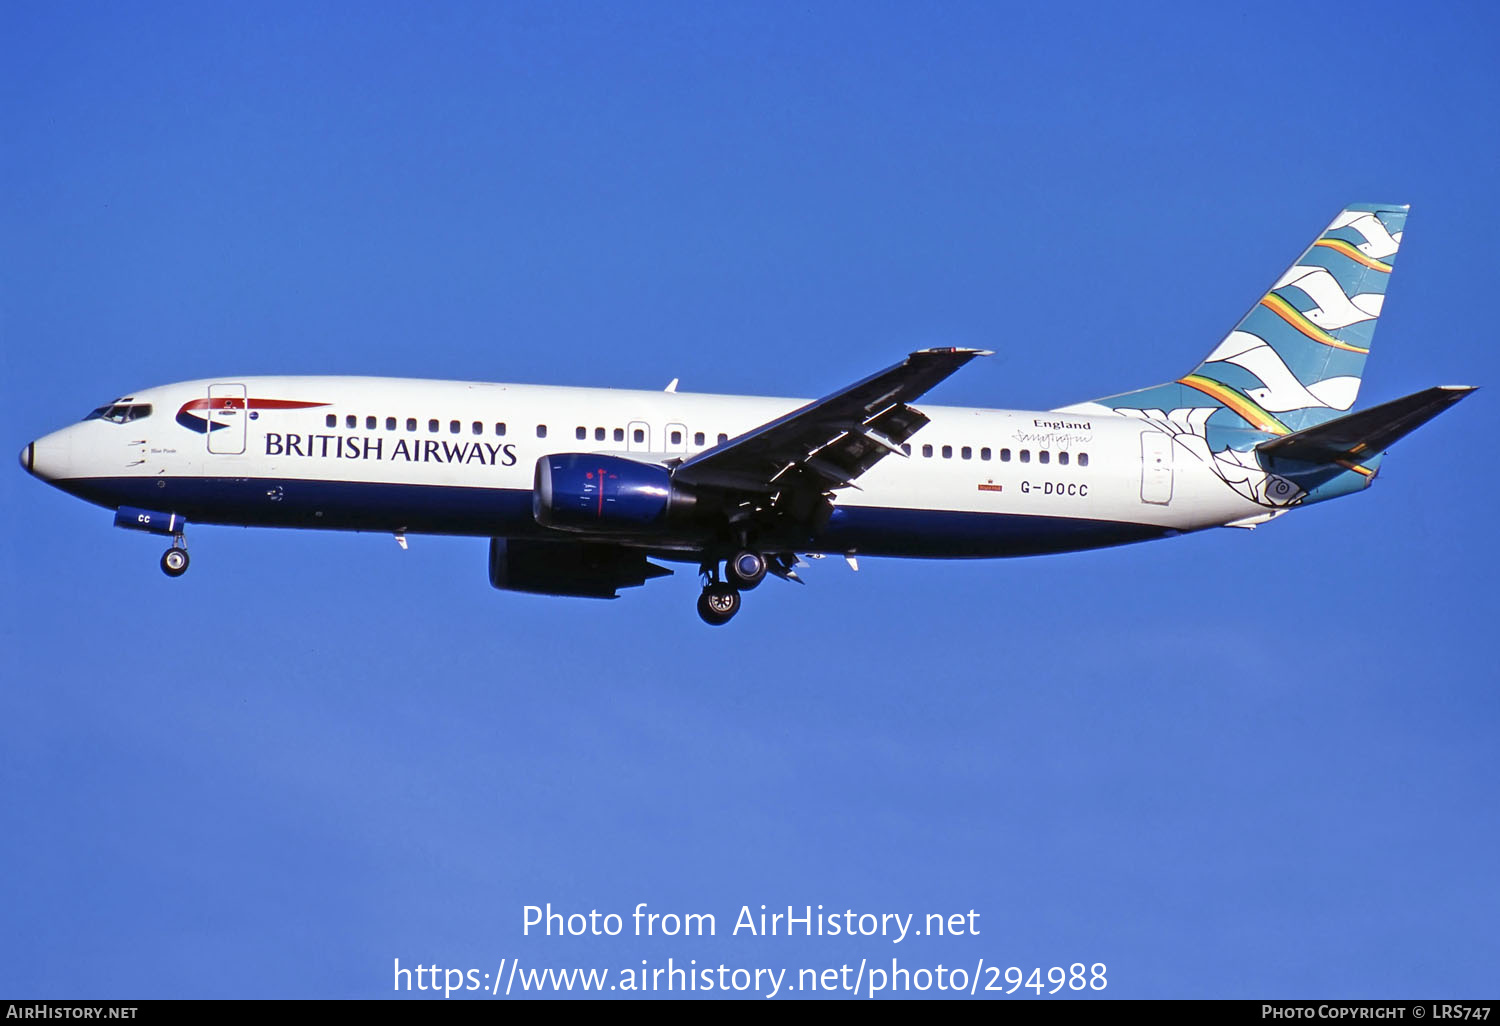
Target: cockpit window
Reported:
point(121, 413)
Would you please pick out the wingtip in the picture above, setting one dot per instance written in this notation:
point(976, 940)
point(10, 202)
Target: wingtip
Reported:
point(1457, 393)
point(953, 351)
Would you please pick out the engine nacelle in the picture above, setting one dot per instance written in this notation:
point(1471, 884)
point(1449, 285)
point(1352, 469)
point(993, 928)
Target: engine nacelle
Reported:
point(587, 492)
point(581, 569)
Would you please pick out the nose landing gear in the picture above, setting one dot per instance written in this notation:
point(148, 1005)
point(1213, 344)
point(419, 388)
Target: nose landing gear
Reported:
point(174, 562)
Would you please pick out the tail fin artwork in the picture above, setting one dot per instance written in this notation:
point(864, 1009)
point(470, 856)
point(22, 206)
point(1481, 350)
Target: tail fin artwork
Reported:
point(1292, 363)
point(1295, 360)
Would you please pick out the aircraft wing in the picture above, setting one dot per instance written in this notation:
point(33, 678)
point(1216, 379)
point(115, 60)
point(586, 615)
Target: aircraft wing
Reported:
point(828, 443)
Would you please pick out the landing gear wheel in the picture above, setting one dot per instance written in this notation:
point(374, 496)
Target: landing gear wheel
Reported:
point(745, 569)
point(718, 604)
point(174, 562)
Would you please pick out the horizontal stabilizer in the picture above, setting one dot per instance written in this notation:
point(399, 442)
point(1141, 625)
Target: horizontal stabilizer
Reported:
point(1358, 436)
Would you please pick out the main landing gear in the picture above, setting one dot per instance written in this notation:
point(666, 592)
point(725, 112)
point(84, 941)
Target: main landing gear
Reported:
point(174, 562)
point(721, 595)
point(745, 569)
point(718, 603)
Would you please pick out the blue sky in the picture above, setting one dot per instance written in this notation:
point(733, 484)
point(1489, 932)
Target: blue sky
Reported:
point(1233, 764)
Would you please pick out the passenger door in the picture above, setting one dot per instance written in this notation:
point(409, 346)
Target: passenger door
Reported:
point(1156, 467)
point(227, 414)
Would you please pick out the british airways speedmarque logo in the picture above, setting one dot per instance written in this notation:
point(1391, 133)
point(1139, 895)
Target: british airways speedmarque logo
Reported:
point(190, 420)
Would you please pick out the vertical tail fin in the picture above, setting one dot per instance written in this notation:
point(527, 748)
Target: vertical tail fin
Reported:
point(1296, 359)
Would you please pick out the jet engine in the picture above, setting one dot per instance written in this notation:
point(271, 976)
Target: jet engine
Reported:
point(582, 569)
point(594, 493)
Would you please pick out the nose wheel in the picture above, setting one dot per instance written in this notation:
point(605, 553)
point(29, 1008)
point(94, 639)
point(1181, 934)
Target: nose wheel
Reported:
point(174, 562)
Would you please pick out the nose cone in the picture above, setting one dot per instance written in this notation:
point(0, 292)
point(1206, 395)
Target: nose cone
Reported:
point(47, 457)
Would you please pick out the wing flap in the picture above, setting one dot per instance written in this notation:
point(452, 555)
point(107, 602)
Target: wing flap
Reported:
point(861, 446)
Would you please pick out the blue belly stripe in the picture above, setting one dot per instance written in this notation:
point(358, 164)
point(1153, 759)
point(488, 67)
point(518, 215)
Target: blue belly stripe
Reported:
point(485, 512)
point(952, 534)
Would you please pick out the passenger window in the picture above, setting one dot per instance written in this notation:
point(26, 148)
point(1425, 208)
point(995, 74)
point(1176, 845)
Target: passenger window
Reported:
point(541, 430)
point(331, 420)
point(698, 438)
point(639, 436)
point(598, 434)
point(1025, 455)
point(432, 426)
point(906, 448)
point(927, 451)
point(1083, 459)
point(619, 434)
point(411, 423)
point(581, 433)
point(390, 423)
point(723, 438)
point(454, 427)
point(351, 421)
point(676, 437)
point(500, 429)
point(1043, 456)
point(984, 454)
point(947, 452)
point(1062, 459)
point(369, 423)
point(1004, 455)
point(966, 453)
point(479, 427)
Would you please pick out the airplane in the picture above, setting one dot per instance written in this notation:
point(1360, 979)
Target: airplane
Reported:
point(581, 491)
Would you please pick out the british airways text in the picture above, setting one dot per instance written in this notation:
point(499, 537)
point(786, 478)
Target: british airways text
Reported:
point(358, 447)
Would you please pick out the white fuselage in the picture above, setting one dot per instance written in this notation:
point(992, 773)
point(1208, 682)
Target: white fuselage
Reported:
point(421, 456)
